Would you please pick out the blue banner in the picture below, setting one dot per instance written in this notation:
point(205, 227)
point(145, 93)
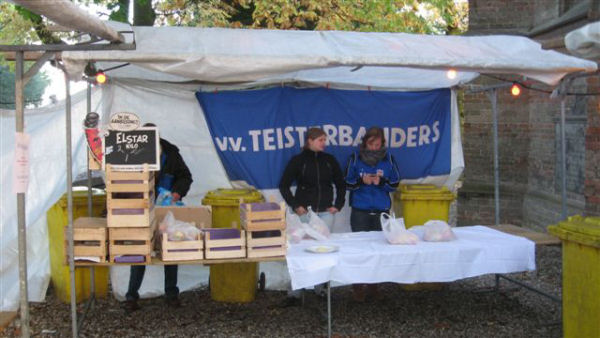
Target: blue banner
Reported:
point(256, 132)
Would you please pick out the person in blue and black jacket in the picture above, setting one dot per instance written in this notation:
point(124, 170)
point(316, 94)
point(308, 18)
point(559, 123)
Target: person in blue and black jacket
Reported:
point(371, 175)
point(175, 177)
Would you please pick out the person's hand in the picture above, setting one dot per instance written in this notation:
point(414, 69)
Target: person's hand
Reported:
point(175, 197)
point(375, 180)
point(333, 210)
point(367, 179)
point(300, 211)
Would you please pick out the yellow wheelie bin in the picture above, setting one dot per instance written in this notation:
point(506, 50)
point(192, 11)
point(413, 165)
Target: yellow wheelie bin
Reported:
point(580, 238)
point(421, 203)
point(424, 202)
point(231, 282)
point(57, 220)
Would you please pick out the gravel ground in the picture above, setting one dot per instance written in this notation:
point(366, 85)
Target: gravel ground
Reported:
point(466, 308)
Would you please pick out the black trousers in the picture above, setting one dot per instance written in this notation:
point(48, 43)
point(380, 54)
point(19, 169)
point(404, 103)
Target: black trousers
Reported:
point(363, 220)
point(137, 276)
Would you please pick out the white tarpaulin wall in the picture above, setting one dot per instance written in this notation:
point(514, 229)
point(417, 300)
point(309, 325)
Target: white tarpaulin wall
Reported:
point(47, 183)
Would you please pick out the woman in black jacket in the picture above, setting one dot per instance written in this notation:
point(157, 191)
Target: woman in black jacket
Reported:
point(315, 172)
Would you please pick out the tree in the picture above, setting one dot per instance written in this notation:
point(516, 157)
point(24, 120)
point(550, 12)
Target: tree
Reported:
point(416, 16)
point(424, 16)
point(16, 29)
point(33, 91)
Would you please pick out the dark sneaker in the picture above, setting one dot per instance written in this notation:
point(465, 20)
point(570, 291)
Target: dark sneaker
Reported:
point(131, 306)
point(173, 302)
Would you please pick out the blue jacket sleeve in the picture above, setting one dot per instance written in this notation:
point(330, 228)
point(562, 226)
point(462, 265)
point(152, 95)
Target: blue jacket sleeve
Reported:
point(390, 182)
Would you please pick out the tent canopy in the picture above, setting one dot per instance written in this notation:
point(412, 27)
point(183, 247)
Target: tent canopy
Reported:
point(227, 56)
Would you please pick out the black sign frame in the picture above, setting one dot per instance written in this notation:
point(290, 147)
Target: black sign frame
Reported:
point(132, 150)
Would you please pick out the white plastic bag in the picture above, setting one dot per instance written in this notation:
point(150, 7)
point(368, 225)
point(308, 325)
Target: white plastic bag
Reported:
point(317, 225)
point(295, 231)
point(178, 230)
point(438, 231)
point(395, 232)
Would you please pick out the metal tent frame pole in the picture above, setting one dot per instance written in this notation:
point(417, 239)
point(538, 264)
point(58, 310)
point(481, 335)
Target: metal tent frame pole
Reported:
point(493, 96)
point(563, 160)
point(89, 199)
point(70, 204)
point(22, 235)
point(21, 79)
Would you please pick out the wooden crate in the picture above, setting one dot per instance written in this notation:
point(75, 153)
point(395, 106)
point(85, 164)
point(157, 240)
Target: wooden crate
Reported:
point(269, 243)
point(130, 198)
point(130, 241)
point(89, 238)
point(181, 250)
point(262, 216)
point(224, 243)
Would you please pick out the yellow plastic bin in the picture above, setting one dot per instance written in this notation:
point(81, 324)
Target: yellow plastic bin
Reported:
point(231, 282)
point(57, 221)
point(581, 275)
point(421, 203)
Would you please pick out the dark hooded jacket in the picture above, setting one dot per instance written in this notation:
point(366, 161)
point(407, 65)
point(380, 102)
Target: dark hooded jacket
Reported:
point(315, 173)
point(173, 165)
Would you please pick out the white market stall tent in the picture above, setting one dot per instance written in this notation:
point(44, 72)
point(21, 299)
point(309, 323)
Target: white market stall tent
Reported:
point(171, 63)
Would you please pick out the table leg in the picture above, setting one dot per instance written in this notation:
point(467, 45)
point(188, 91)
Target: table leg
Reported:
point(329, 309)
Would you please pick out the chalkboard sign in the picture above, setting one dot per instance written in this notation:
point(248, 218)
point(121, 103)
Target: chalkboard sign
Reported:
point(130, 150)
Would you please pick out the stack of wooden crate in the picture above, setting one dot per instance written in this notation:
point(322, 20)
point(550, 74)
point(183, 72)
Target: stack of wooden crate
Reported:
point(130, 214)
point(265, 229)
point(89, 239)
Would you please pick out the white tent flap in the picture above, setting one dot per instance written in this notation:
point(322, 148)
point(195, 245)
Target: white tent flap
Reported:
point(585, 41)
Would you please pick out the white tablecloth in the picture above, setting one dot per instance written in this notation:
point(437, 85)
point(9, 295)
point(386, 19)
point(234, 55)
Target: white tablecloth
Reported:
point(366, 257)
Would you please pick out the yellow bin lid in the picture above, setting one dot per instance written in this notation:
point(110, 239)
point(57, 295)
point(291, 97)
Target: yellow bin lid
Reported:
point(584, 230)
point(425, 192)
point(232, 197)
point(80, 195)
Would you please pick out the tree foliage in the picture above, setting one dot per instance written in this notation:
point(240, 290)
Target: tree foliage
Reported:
point(416, 16)
point(16, 29)
point(33, 91)
point(424, 16)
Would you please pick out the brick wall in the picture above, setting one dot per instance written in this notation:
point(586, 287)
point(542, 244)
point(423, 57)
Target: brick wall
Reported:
point(529, 137)
point(506, 16)
point(592, 154)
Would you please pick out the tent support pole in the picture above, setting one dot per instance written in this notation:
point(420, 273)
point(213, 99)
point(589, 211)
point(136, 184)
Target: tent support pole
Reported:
point(70, 206)
point(22, 234)
point(493, 96)
point(89, 199)
point(563, 160)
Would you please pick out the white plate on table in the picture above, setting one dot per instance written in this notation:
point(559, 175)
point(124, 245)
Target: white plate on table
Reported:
point(322, 248)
